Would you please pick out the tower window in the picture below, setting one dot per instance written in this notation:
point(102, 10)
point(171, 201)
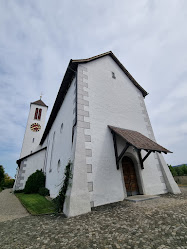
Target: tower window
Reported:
point(33, 140)
point(38, 113)
point(113, 75)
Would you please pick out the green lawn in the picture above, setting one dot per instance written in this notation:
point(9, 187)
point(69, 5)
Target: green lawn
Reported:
point(36, 204)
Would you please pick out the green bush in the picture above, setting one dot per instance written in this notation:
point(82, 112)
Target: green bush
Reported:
point(35, 182)
point(43, 191)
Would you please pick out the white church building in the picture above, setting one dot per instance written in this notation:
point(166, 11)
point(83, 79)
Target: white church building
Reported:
point(100, 123)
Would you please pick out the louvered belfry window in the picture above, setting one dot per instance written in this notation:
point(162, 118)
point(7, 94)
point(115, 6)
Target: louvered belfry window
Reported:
point(38, 114)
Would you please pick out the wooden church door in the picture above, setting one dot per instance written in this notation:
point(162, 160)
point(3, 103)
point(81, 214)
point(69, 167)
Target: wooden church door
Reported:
point(129, 174)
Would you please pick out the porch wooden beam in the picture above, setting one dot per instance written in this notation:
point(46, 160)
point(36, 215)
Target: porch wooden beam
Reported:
point(140, 158)
point(123, 152)
point(146, 156)
point(115, 149)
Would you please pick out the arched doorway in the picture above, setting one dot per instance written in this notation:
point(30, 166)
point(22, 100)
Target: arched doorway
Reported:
point(130, 178)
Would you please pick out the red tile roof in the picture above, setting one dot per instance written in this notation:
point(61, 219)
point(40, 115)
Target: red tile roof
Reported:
point(39, 102)
point(138, 140)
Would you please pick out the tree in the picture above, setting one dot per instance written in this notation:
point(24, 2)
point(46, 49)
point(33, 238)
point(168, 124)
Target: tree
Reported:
point(173, 171)
point(184, 168)
point(180, 171)
point(2, 175)
point(8, 181)
point(177, 170)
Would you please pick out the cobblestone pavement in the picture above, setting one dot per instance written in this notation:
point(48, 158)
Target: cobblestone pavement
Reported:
point(159, 224)
point(10, 206)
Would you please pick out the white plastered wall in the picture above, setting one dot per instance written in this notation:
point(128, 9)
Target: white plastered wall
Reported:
point(28, 166)
point(28, 143)
point(77, 197)
point(115, 102)
point(59, 146)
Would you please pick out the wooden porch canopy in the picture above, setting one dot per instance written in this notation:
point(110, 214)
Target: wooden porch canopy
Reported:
point(138, 141)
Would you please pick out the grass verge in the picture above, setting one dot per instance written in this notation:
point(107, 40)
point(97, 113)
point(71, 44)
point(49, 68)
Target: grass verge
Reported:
point(36, 204)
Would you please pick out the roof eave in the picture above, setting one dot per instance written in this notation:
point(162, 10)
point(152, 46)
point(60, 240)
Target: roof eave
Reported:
point(164, 150)
point(70, 72)
point(35, 152)
point(110, 53)
point(68, 77)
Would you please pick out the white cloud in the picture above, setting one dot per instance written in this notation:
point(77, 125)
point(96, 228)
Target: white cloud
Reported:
point(38, 38)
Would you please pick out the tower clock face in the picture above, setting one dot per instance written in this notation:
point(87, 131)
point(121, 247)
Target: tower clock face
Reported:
point(35, 127)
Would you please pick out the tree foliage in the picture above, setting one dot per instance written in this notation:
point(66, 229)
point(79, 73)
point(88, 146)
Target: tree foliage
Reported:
point(173, 171)
point(178, 171)
point(2, 175)
point(8, 181)
point(5, 180)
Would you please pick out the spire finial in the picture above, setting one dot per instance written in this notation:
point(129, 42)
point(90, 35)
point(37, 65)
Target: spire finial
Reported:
point(41, 94)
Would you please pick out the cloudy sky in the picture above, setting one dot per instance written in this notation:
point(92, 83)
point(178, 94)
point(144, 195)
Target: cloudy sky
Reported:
point(39, 37)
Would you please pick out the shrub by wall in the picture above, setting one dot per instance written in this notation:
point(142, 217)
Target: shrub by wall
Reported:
point(35, 182)
point(43, 191)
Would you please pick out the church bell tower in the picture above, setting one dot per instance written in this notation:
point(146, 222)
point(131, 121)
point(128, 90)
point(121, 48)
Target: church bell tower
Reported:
point(35, 127)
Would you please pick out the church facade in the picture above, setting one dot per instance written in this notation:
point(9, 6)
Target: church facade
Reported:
point(99, 122)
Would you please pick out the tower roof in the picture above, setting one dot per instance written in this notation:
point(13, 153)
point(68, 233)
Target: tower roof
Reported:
point(39, 102)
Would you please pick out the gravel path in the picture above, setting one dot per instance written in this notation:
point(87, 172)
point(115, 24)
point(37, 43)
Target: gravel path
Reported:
point(153, 224)
point(10, 206)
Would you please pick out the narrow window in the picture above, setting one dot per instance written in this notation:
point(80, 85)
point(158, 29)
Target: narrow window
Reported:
point(33, 140)
point(58, 165)
point(73, 129)
point(36, 114)
point(50, 168)
point(39, 114)
point(113, 75)
point(46, 154)
point(61, 127)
